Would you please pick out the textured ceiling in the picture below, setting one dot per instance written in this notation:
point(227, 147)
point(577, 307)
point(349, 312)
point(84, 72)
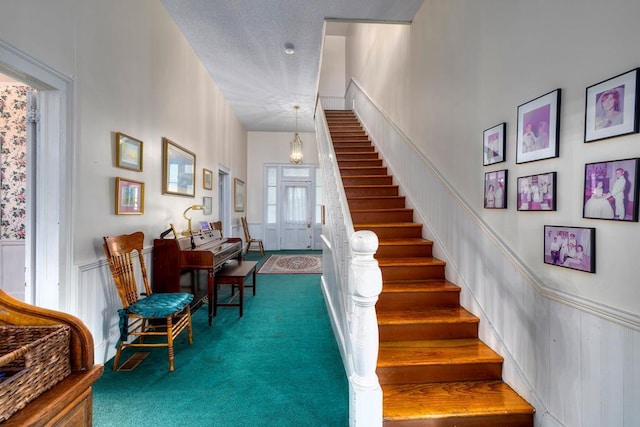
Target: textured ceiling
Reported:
point(241, 43)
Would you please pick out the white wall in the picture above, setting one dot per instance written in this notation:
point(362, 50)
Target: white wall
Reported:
point(570, 339)
point(270, 147)
point(332, 72)
point(132, 71)
point(463, 67)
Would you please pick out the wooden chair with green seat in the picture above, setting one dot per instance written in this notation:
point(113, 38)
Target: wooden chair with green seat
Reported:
point(163, 315)
point(250, 242)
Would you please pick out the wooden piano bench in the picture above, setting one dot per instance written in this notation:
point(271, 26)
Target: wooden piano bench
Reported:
point(234, 273)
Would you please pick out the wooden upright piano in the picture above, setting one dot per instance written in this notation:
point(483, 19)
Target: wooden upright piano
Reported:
point(69, 402)
point(207, 250)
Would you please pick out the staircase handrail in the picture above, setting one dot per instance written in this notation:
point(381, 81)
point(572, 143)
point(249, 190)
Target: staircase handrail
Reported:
point(352, 282)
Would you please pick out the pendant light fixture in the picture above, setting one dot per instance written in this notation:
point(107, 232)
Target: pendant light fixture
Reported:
point(295, 151)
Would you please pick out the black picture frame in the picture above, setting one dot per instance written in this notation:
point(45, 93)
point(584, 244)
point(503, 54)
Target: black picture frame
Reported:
point(611, 190)
point(611, 107)
point(570, 247)
point(493, 144)
point(495, 189)
point(537, 192)
point(538, 132)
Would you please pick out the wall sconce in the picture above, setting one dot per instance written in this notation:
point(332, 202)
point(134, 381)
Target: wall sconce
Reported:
point(189, 232)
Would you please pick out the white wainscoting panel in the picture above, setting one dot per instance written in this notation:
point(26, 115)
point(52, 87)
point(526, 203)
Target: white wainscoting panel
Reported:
point(12, 264)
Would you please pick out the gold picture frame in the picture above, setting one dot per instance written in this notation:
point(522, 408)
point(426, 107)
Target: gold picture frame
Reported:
point(129, 197)
point(128, 152)
point(178, 172)
point(238, 195)
point(207, 179)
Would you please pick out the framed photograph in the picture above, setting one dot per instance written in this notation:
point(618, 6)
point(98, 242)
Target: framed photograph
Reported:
point(538, 128)
point(207, 179)
point(129, 197)
point(537, 192)
point(495, 189)
point(207, 202)
point(611, 190)
point(238, 195)
point(493, 144)
point(571, 247)
point(612, 107)
point(179, 170)
point(128, 152)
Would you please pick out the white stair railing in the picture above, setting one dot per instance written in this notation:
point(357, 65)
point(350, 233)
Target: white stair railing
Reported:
point(351, 283)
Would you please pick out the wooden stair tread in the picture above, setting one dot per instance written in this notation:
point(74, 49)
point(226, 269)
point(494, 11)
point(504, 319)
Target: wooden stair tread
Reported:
point(435, 352)
point(388, 224)
point(464, 399)
point(419, 286)
point(442, 315)
point(381, 209)
point(409, 261)
point(406, 241)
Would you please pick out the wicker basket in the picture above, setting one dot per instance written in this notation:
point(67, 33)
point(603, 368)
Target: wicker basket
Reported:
point(32, 360)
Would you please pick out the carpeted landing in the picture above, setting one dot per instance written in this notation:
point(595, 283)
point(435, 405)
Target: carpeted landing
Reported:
point(278, 365)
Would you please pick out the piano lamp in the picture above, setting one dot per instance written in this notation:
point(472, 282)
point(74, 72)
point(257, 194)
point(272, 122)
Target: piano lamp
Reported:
point(188, 232)
point(295, 153)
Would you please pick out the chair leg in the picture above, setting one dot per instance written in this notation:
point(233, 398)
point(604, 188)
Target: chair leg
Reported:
point(116, 359)
point(170, 342)
point(189, 328)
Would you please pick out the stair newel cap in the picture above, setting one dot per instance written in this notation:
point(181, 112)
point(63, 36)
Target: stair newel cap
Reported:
point(364, 243)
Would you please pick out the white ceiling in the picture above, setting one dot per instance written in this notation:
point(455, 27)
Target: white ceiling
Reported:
point(241, 43)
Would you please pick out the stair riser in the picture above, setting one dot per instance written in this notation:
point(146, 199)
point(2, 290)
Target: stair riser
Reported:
point(355, 163)
point(440, 373)
point(370, 191)
point(426, 331)
point(356, 156)
point(369, 180)
point(410, 231)
point(415, 300)
point(356, 141)
point(363, 171)
point(381, 217)
point(353, 148)
point(375, 203)
point(506, 420)
point(348, 134)
point(418, 272)
point(403, 251)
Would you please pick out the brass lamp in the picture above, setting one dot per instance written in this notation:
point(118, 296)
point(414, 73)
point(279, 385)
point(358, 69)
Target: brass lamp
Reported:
point(295, 148)
point(189, 232)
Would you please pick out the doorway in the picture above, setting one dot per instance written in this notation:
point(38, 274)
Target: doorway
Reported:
point(296, 221)
point(291, 208)
point(48, 247)
point(224, 200)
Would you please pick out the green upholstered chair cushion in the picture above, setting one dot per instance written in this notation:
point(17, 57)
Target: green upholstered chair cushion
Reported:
point(154, 306)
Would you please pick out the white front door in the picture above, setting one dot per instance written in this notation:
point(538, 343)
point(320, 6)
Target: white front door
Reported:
point(296, 221)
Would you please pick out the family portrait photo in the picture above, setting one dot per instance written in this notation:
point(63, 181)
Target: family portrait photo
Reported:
point(493, 144)
point(571, 247)
point(611, 190)
point(495, 189)
point(612, 107)
point(538, 128)
point(537, 192)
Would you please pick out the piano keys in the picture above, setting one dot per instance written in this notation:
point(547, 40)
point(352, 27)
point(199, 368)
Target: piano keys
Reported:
point(206, 251)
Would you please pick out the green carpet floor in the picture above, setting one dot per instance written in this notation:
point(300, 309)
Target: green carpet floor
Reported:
point(278, 365)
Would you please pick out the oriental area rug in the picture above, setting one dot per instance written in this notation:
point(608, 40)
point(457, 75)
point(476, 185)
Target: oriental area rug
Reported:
point(292, 264)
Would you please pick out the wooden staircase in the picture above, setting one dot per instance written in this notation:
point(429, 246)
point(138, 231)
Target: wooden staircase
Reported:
point(433, 369)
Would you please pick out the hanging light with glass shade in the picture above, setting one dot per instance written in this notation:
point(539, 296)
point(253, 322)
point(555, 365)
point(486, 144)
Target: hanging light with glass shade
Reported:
point(295, 151)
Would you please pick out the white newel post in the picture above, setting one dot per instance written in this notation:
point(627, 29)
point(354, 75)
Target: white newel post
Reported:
point(365, 284)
